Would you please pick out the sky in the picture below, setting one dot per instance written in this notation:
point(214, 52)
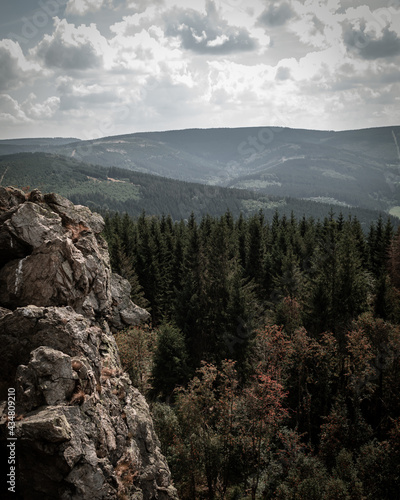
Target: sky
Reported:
point(96, 68)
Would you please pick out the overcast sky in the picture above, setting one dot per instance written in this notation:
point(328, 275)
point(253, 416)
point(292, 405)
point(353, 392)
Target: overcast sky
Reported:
point(93, 68)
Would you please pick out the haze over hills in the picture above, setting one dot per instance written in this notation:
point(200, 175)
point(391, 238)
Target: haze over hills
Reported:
point(350, 168)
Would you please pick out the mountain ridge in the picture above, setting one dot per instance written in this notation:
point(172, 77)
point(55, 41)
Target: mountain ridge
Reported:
point(356, 167)
point(114, 189)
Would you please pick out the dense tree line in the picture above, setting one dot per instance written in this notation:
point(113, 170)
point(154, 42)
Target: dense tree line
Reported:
point(273, 364)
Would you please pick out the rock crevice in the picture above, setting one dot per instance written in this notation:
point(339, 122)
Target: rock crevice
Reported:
point(84, 432)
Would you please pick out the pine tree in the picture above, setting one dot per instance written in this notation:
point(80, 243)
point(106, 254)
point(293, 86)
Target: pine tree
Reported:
point(394, 261)
point(170, 368)
point(255, 253)
point(190, 300)
point(352, 279)
point(320, 304)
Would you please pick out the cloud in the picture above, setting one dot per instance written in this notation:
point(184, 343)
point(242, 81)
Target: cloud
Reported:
point(372, 34)
point(166, 97)
point(11, 112)
point(207, 33)
point(29, 113)
point(16, 70)
point(40, 110)
point(146, 53)
point(277, 14)
point(77, 95)
point(239, 83)
point(83, 7)
point(72, 48)
point(282, 73)
point(369, 45)
point(181, 63)
point(317, 23)
point(135, 23)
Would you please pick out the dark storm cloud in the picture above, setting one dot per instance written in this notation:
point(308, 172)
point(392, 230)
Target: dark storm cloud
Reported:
point(368, 46)
point(277, 14)
point(207, 34)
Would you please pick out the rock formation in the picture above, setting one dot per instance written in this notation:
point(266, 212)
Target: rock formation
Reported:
point(83, 431)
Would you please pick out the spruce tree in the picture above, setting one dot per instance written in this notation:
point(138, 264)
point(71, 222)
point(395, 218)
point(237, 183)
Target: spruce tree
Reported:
point(170, 368)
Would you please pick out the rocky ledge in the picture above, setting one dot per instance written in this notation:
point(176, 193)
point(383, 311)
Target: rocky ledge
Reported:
point(82, 430)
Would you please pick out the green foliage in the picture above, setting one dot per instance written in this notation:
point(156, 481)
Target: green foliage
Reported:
point(286, 379)
point(225, 432)
point(170, 362)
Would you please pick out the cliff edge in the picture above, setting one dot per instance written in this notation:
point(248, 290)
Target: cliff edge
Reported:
point(80, 429)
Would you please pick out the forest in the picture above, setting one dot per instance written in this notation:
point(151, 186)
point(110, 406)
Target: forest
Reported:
point(109, 189)
point(272, 364)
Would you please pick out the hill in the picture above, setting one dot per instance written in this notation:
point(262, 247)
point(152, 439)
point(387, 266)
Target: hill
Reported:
point(357, 168)
point(10, 146)
point(122, 190)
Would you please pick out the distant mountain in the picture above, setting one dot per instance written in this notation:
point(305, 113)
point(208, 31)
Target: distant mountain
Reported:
point(116, 189)
point(10, 146)
point(357, 168)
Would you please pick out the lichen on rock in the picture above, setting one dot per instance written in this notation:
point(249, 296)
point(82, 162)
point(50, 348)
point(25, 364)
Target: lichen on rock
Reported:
point(84, 432)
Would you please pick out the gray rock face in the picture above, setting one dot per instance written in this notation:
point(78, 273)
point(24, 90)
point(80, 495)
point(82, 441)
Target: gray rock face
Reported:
point(61, 260)
point(124, 312)
point(84, 432)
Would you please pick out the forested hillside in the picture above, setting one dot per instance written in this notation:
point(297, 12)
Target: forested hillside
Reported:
point(273, 363)
point(360, 168)
point(117, 189)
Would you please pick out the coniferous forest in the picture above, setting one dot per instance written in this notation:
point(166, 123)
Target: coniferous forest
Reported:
point(272, 365)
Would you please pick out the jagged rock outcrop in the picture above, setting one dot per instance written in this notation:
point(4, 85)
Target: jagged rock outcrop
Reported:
point(83, 431)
